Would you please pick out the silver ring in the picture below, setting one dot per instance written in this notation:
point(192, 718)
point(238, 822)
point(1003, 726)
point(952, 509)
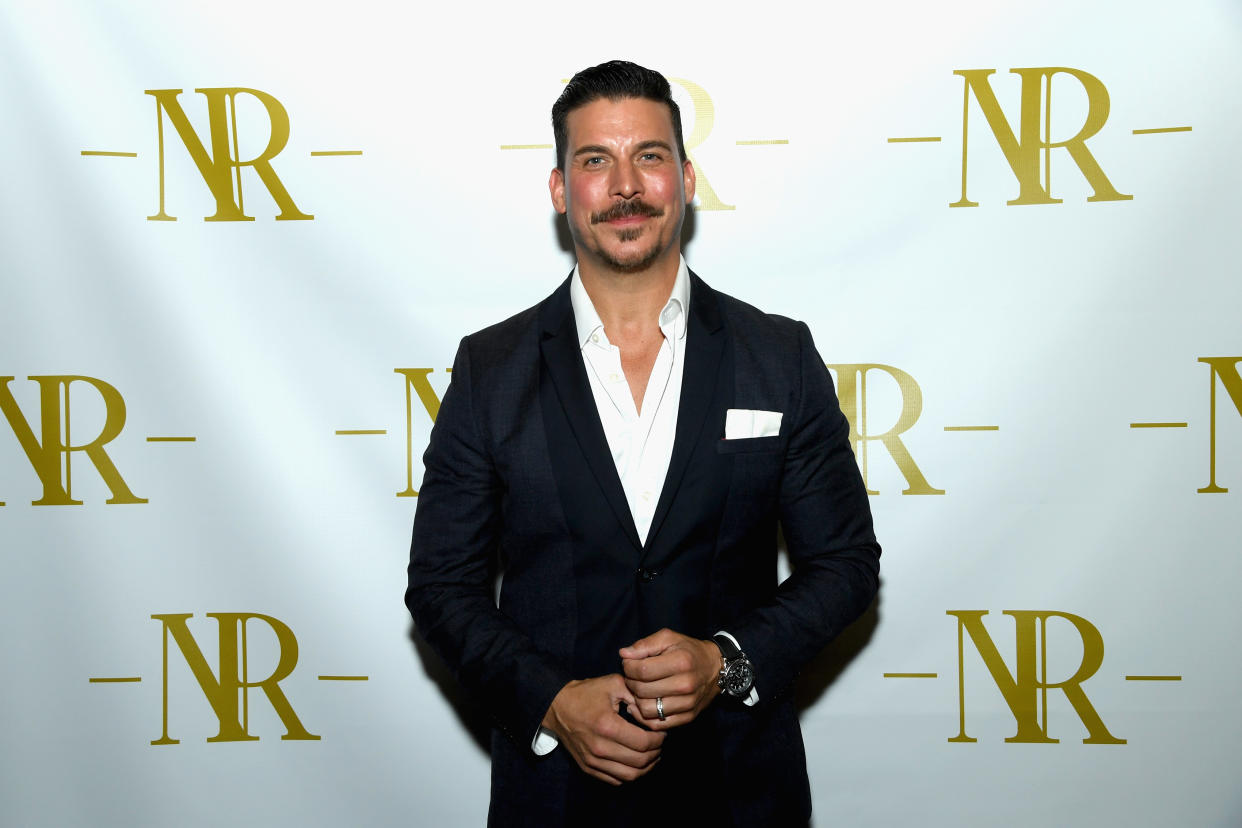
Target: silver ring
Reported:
point(660, 707)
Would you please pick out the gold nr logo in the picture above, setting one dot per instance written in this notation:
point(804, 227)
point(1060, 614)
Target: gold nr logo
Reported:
point(227, 688)
point(1025, 138)
point(218, 158)
point(51, 451)
point(853, 397)
point(1025, 688)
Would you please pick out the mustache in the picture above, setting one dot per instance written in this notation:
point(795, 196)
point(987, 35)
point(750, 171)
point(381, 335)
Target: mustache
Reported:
point(625, 209)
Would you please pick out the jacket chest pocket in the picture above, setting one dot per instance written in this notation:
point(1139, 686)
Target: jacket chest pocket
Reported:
point(748, 445)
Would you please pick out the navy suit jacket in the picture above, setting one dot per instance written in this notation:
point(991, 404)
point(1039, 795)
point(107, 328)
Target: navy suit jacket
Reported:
point(518, 469)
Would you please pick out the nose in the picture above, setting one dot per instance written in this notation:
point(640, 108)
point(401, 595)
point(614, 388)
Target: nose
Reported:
point(626, 181)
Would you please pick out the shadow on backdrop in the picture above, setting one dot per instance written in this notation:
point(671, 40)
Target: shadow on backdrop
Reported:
point(824, 669)
point(474, 720)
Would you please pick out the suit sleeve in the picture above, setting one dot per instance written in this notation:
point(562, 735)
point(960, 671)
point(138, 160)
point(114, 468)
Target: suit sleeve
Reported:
point(826, 520)
point(457, 530)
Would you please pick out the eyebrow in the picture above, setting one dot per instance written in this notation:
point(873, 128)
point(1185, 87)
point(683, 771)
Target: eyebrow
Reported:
point(598, 149)
point(654, 144)
point(591, 149)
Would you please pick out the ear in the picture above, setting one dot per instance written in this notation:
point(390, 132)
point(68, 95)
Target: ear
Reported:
point(688, 179)
point(556, 187)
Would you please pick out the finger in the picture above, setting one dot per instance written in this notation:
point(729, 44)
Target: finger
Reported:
point(652, 668)
point(653, 644)
point(682, 684)
point(615, 773)
point(671, 719)
point(670, 722)
point(601, 776)
point(616, 760)
point(647, 669)
point(619, 692)
point(634, 738)
point(649, 709)
point(618, 754)
point(624, 695)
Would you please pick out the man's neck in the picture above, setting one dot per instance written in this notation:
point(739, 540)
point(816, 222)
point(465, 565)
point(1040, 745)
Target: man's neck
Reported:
point(629, 304)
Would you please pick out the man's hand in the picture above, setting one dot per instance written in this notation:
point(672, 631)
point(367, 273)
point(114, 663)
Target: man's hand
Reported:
point(682, 671)
point(585, 717)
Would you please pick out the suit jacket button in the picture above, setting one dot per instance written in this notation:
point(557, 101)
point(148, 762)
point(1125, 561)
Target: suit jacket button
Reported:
point(647, 575)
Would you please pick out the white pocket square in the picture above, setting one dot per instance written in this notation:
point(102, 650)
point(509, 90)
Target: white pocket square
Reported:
point(743, 423)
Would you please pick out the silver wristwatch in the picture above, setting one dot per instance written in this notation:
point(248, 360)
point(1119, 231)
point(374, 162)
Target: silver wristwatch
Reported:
point(736, 675)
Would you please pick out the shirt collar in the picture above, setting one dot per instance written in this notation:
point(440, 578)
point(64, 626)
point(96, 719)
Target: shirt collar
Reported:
point(673, 313)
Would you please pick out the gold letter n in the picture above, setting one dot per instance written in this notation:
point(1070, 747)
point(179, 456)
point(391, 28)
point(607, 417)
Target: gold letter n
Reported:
point(1227, 369)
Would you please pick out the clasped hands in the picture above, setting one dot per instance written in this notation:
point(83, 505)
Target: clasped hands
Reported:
point(586, 714)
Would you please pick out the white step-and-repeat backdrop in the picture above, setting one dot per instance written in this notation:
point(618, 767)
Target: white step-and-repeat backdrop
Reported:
point(240, 243)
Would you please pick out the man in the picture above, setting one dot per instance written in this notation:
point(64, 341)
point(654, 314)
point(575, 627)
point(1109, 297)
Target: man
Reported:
point(627, 448)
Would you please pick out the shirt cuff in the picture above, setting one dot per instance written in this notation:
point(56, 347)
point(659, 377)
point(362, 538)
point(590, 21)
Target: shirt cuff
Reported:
point(545, 742)
point(753, 698)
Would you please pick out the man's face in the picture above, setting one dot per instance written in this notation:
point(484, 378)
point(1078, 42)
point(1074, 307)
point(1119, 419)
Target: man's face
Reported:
point(624, 188)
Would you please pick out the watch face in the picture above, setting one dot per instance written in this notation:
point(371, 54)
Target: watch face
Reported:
point(738, 678)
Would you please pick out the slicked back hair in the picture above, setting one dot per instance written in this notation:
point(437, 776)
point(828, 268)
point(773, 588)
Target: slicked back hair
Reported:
point(614, 80)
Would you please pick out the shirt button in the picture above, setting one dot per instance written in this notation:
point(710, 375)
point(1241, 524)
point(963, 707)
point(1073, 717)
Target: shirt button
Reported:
point(613, 378)
point(647, 575)
point(595, 337)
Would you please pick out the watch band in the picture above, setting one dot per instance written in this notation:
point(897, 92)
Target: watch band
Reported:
point(728, 649)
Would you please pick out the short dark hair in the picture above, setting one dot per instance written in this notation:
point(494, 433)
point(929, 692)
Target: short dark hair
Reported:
point(614, 80)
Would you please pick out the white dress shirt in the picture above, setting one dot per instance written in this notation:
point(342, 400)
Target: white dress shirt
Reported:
point(641, 442)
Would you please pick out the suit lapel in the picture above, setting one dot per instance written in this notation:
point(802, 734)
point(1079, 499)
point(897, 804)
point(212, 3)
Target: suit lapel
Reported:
point(705, 345)
point(562, 356)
